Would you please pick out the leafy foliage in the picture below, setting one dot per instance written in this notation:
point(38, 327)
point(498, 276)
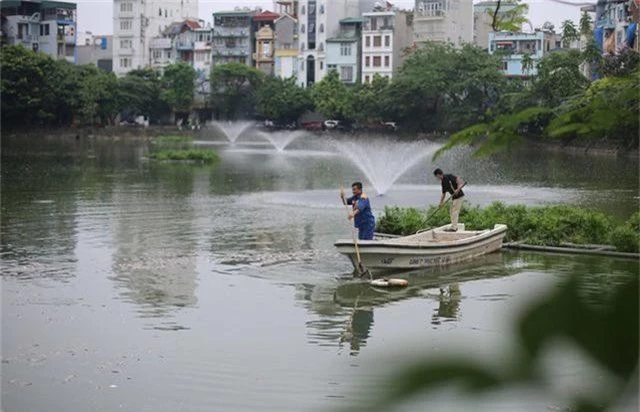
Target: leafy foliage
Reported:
point(139, 94)
point(510, 18)
point(233, 88)
point(332, 98)
point(98, 95)
point(282, 100)
point(202, 155)
point(547, 225)
point(178, 86)
point(569, 33)
point(372, 101)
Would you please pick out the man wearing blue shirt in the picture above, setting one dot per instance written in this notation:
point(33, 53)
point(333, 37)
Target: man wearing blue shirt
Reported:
point(361, 214)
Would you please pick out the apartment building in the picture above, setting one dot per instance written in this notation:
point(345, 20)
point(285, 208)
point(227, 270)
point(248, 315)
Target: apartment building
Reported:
point(616, 25)
point(449, 21)
point(319, 20)
point(44, 26)
point(232, 37)
point(264, 41)
point(136, 22)
point(385, 36)
point(286, 47)
point(514, 46)
point(344, 52)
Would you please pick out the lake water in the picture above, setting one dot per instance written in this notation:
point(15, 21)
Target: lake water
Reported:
point(130, 285)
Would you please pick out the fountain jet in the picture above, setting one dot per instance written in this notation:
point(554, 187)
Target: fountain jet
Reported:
point(281, 139)
point(384, 161)
point(233, 130)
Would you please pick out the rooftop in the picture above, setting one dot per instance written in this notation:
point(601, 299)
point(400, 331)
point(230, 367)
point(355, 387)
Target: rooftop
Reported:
point(266, 16)
point(352, 20)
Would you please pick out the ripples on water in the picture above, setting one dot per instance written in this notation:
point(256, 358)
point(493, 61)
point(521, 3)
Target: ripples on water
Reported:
point(135, 286)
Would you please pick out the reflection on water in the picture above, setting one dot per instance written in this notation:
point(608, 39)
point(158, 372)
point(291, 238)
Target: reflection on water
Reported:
point(185, 275)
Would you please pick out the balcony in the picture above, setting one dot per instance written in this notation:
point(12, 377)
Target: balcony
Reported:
point(232, 32)
point(184, 45)
point(160, 43)
point(202, 45)
point(430, 15)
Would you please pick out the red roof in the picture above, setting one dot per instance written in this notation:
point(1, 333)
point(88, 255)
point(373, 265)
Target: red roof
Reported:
point(192, 24)
point(266, 16)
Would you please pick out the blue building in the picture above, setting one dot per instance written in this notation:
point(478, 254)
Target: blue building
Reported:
point(344, 50)
point(514, 46)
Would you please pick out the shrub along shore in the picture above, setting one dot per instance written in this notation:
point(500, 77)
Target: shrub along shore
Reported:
point(552, 225)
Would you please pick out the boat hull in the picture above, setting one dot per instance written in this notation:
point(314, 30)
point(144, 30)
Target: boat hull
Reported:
point(424, 250)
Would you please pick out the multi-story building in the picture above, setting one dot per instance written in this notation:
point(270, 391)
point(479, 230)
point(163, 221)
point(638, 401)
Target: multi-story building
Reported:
point(232, 37)
point(385, 36)
point(483, 20)
point(263, 41)
point(616, 25)
point(319, 20)
point(448, 21)
point(136, 22)
point(512, 47)
point(95, 50)
point(344, 52)
point(44, 26)
point(286, 47)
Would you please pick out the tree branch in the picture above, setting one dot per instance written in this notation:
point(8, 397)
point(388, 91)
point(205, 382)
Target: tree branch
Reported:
point(494, 23)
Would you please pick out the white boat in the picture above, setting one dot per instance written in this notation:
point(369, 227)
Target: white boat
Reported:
point(434, 247)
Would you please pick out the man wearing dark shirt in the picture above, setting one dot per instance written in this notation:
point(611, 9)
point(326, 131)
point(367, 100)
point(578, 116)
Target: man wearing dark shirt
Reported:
point(453, 185)
point(361, 211)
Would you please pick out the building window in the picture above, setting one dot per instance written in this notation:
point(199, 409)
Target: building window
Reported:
point(302, 29)
point(157, 54)
point(160, 12)
point(321, 65)
point(367, 61)
point(345, 49)
point(367, 41)
point(387, 41)
point(321, 28)
point(125, 62)
point(346, 73)
point(505, 66)
point(169, 54)
point(377, 61)
point(126, 25)
point(322, 9)
point(377, 41)
point(125, 43)
point(385, 23)
point(126, 7)
point(386, 61)
point(302, 10)
point(44, 29)
point(374, 23)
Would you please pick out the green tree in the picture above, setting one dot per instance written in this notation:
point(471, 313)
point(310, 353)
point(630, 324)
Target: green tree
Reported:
point(332, 98)
point(441, 87)
point(509, 15)
point(98, 96)
point(569, 33)
point(233, 89)
point(139, 94)
point(559, 77)
point(585, 24)
point(527, 63)
point(178, 83)
point(371, 101)
point(282, 100)
point(36, 89)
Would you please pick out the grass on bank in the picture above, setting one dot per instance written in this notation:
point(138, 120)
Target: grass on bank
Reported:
point(546, 225)
point(180, 148)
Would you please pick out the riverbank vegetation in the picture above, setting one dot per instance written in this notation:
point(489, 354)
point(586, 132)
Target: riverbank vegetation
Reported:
point(180, 148)
point(550, 225)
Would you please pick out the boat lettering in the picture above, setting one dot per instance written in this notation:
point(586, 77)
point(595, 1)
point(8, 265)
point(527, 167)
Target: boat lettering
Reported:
point(386, 261)
point(438, 260)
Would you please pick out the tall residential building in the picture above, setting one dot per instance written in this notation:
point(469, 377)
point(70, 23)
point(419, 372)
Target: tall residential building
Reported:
point(263, 41)
point(232, 36)
point(45, 26)
point(286, 47)
point(136, 22)
point(514, 46)
point(385, 36)
point(344, 52)
point(448, 21)
point(319, 20)
point(483, 20)
point(616, 25)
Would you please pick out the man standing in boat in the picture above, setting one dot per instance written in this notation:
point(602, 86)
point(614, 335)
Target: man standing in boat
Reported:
point(361, 214)
point(451, 184)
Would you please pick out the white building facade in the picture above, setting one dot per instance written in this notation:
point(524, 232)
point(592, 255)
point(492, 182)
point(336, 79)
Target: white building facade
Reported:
point(136, 22)
point(448, 21)
point(385, 35)
point(319, 20)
